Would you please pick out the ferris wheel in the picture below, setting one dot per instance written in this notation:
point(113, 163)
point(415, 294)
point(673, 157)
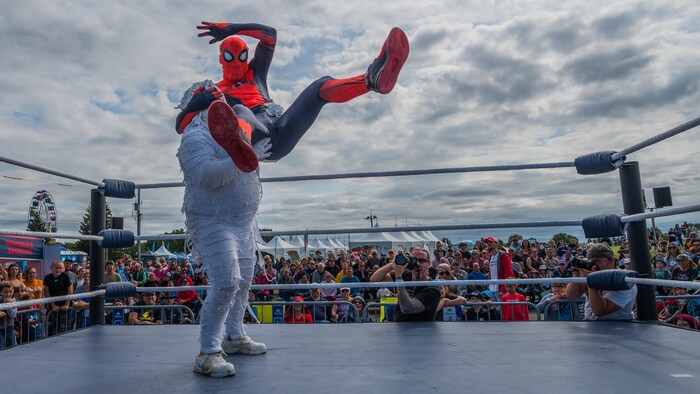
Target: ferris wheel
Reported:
point(44, 206)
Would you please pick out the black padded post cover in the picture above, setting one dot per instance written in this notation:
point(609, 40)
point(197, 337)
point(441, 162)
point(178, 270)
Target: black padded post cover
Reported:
point(599, 226)
point(119, 289)
point(116, 238)
point(118, 188)
point(610, 280)
point(596, 163)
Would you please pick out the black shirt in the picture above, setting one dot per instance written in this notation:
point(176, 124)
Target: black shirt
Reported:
point(429, 297)
point(58, 286)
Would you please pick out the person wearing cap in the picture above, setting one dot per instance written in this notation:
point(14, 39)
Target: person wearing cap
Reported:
point(660, 272)
point(500, 266)
point(563, 271)
point(418, 303)
point(145, 316)
point(341, 312)
point(602, 304)
point(684, 271)
point(298, 313)
point(462, 249)
point(480, 312)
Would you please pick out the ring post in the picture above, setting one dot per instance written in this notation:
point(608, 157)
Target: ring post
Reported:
point(633, 202)
point(98, 218)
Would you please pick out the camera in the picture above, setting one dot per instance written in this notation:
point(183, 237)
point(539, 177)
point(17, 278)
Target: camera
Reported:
point(582, 263)
point(407, 260)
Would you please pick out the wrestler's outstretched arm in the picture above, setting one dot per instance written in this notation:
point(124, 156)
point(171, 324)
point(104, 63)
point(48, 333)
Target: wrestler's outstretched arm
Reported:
point(265, 34)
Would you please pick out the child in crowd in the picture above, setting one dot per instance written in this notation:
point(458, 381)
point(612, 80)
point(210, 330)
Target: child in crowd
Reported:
point(7, 317)
point(557, 310)
point(511, 313)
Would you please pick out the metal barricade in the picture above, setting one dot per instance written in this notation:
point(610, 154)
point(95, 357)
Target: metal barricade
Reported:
point(31, 325)
point(345, 319)
point(490, 316)
point(575, 309)
point(166, 313)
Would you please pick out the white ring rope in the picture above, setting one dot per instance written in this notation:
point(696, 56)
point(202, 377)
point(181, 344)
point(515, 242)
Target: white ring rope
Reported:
point(657, 138)
point(303, 286)
point(353, 175)
point(484, 282)
point(52, 235)
point(49, 171)
point(47, 300)
point(474, 226)
point(660, 213)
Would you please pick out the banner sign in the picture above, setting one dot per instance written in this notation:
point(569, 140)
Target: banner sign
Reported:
point(15, 247)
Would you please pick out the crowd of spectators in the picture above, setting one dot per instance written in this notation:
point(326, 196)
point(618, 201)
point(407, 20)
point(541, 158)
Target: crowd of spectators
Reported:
point(675, 256)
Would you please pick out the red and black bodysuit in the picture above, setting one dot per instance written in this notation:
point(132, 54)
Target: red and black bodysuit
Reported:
point(244, 85)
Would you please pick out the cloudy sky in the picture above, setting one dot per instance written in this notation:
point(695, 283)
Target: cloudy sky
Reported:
point(89, 88)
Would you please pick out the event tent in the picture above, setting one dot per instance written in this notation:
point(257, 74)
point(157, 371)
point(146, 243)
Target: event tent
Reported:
point(163, 252)
point(278, 247)
point(381, 242)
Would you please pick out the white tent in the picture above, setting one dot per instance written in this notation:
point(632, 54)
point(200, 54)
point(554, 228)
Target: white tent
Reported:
point(331, 244)
point(382, 242)
point(278, 247)
point(297, 241)
point(323, 246)
point(340, 244)
point(163, 252)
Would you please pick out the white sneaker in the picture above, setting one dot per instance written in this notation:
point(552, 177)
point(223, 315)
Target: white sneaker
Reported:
point(213, 365)
point(243, 345)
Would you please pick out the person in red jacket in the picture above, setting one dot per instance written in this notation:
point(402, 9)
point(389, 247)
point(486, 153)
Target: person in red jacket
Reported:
point(298, 313)
point(187, 297)
point(500, 266)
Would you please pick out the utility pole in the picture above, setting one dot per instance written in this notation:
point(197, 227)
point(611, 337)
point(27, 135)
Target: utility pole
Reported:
point(371, 218)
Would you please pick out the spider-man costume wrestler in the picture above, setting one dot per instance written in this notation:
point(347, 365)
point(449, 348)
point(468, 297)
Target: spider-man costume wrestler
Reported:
point(244, 87)
point(227, 128)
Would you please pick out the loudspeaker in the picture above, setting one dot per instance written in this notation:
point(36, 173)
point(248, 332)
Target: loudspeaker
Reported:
point(118, 223)
point(662, 197)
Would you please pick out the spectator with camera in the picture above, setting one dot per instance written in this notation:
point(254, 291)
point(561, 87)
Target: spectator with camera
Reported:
point(601, 304)
point(418, 303)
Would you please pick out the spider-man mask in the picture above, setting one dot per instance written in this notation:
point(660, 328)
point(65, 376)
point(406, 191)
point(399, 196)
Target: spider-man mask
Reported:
point(233, 56)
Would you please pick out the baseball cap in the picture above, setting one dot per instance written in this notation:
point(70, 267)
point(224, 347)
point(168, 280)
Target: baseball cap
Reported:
point(475, 294)
point(599, 251)
point(490, 239)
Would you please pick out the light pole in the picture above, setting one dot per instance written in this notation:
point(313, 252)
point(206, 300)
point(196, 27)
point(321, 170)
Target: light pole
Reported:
point(371, 218)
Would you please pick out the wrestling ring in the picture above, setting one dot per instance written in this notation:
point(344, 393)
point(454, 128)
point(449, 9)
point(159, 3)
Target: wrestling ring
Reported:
point(528, 357)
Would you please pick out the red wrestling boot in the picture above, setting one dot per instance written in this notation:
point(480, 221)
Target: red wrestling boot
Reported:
point(224, 128)
point(382, 74)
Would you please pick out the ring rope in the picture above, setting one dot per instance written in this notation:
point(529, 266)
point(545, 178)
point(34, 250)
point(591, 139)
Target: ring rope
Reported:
point(302, 286)
point(663, 282)
point(38, 234)
point(49, 171)
point(474, 226)
point(483, 282)
point(505, 167)
point(47, 300)
point(660, 213)
point(657, 138)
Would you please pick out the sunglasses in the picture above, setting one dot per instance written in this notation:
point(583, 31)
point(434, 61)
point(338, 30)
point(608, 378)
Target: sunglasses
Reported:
point(345, 290)
point(423, 261)
point(444, 273)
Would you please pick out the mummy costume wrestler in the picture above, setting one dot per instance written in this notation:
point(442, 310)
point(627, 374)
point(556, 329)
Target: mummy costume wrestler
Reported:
point(227, 128)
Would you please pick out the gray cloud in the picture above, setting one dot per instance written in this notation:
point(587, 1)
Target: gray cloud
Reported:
point(602, 66)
